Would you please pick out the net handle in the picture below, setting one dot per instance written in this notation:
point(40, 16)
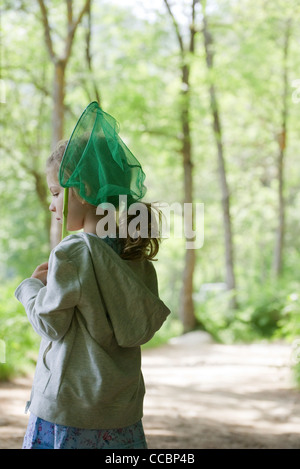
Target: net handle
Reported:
point(65, 213)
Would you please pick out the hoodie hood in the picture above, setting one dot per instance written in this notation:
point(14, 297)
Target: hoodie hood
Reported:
point(130, 293)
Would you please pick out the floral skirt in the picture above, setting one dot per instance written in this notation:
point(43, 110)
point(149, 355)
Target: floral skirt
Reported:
point(41, 434)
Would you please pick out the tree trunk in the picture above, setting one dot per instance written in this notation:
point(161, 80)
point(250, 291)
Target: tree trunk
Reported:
point(217, 130)
point(60, 63)
point(58, 102)
point(279, 243)
point(187, 312)
point(57, 133)
point(186, 307)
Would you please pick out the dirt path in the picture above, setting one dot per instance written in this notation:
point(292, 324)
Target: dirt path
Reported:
point(201, 396)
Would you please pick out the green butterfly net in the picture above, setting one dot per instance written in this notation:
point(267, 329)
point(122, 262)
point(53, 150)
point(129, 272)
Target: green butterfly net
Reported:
point(98, 164)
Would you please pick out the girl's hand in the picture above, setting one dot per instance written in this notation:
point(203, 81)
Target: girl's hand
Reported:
point(41, 272)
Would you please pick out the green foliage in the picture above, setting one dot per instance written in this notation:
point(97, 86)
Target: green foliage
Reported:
point(266, 311)
point(21, 342)
point(289, 323)
point(136, 68)
point(289, 326)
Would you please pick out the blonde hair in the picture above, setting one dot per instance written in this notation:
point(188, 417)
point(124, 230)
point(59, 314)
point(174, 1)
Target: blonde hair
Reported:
point(138, 248)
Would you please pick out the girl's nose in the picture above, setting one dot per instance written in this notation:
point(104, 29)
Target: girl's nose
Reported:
point(52, 207)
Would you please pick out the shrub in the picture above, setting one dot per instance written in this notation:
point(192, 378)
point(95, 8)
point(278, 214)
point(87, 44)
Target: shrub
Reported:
point(19, 341)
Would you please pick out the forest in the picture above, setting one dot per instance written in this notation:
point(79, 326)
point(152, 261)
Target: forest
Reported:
point(207, 95)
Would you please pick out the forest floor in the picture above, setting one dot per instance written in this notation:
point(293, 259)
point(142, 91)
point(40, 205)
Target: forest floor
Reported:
point(199, 395)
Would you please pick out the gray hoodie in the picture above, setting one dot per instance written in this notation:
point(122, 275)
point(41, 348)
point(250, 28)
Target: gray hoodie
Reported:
point(93, 315)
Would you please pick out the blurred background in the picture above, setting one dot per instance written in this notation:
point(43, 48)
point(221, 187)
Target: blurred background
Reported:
point(207, 94)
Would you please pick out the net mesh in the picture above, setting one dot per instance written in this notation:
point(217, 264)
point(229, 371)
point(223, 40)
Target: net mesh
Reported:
point(98, 164)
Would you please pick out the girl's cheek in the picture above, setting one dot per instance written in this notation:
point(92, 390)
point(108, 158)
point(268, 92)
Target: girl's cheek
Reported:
point(61, 202)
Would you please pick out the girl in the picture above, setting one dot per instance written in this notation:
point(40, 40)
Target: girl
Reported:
point(94, 304)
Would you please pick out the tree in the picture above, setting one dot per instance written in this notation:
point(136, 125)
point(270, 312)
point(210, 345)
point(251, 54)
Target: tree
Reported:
point(217, 131)
point(282, 137)
point(60, 62)
point(186, 310)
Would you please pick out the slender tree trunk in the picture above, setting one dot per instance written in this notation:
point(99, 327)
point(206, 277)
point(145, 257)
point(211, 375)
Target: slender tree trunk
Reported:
point(58, 102)
point(186, 307)
point(217, 129)
point(60, 63)
point(279, 242)
point(57, 133)
point(187, 311)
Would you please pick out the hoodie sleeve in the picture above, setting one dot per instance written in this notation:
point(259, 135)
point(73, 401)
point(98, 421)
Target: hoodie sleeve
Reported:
point(50, 308)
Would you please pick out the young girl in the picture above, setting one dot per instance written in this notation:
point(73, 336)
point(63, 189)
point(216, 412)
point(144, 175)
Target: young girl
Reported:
point(93, 304)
